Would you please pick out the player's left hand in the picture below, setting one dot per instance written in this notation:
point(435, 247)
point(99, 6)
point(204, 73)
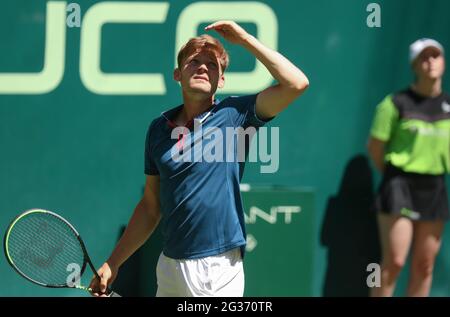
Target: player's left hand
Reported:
point(230, 31)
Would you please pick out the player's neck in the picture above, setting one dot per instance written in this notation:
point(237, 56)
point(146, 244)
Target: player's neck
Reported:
point(193, 107)
point(428, 87)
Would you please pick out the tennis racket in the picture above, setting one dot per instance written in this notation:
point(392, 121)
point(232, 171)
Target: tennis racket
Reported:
point(46, 249)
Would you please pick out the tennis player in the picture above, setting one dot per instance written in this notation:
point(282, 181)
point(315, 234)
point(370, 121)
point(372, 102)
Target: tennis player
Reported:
point(410, 145)
point(198, 203)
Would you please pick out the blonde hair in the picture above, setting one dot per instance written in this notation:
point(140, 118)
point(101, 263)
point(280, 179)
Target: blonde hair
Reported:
point(204, 42)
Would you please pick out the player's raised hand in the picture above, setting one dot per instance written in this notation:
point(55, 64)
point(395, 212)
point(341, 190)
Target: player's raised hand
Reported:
point(230, 31)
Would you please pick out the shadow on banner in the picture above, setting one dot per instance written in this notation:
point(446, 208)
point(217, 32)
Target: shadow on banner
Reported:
point(350, 233)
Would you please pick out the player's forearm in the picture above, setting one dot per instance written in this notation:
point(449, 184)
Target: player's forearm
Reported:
point(141, 225)
point(286, 73)
point(376, 153)
point(378, 162)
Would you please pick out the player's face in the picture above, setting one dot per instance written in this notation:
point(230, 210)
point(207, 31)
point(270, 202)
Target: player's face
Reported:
point(430, 64)
point(200, 73)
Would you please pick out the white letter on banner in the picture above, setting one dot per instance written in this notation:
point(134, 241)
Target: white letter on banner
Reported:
point(117, 12)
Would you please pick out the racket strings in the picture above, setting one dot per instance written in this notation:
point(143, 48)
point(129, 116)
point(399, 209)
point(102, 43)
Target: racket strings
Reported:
point(45, 249)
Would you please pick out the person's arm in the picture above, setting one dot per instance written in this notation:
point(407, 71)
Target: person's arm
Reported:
point(143, 222)
point(291, 80)
point(376, 152)
point(382, 130)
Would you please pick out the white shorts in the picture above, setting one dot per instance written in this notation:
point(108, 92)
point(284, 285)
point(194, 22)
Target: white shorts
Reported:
point(220, 275)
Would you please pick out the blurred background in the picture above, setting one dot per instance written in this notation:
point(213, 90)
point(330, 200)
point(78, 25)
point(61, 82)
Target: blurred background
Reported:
point(75, 104)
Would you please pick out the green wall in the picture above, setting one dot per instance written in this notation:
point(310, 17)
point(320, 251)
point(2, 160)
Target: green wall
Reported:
point(80, 153)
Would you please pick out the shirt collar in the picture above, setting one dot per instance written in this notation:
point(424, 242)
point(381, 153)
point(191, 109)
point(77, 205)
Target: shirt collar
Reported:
point(170, 114)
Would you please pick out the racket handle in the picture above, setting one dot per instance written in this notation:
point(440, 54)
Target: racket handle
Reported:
point(113, 294)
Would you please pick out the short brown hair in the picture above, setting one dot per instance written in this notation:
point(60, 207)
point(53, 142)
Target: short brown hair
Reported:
point(204, 42)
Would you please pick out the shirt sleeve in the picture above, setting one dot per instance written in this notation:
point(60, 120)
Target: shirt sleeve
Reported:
point(245, 112)
point(150, 166)
point(386, 116)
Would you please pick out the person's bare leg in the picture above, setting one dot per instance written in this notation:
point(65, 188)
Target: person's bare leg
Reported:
point(426, 245)
point(396, 236)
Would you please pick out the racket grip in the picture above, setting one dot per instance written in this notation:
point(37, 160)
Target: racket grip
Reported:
point(113, 294)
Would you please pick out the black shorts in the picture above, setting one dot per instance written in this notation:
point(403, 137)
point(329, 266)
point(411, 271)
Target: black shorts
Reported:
point(415, 196)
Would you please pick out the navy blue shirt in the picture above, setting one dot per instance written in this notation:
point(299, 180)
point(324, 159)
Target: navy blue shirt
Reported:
point(200, 201)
